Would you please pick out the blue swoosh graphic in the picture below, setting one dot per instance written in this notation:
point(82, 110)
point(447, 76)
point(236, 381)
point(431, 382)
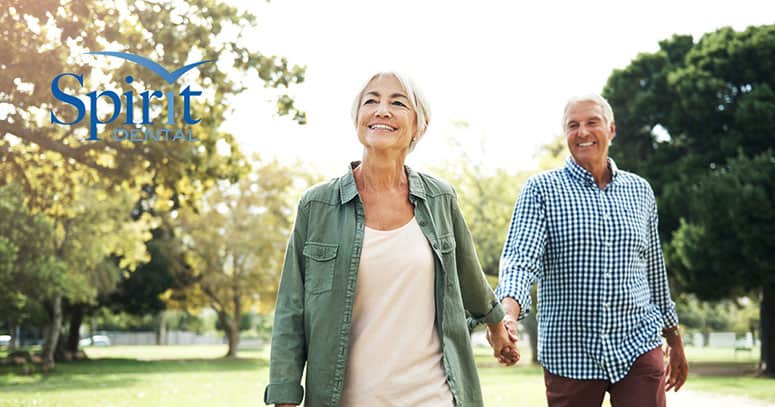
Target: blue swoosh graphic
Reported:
point(153, 66)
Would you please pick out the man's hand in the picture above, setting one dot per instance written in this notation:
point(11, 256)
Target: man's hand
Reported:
point(512, 309)
point(503, 346)
point(677, 368)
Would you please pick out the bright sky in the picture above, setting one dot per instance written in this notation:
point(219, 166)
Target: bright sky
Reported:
point(504, 67)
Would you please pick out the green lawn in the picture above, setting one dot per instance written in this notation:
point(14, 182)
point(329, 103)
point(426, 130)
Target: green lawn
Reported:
point(197, 376)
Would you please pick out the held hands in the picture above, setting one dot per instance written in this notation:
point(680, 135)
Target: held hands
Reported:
point(502, 336)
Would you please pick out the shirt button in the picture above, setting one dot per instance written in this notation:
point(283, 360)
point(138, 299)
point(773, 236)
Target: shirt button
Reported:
point(606, 304)
point(607, 275)
point(609, 243)
point(421, 223)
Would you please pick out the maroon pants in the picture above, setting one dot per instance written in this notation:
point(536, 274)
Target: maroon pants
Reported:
point(643, 386)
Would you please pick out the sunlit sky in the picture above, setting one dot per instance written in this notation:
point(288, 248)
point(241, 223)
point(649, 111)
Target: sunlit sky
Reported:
point(504, 67)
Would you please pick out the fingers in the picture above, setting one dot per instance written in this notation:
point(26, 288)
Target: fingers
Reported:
point(508, 356)
point(676, 372)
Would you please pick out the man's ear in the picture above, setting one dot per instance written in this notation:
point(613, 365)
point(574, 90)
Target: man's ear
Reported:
point(613, 131)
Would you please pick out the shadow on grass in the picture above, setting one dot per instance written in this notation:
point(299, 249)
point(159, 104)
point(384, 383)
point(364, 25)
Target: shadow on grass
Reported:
point(114, 372)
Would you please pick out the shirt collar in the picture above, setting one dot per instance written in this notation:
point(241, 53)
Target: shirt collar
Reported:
point(348, 190)
point(580, 174)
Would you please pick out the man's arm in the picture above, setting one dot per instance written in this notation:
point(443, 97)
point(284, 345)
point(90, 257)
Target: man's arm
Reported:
point(677, 368)
point(522, 257)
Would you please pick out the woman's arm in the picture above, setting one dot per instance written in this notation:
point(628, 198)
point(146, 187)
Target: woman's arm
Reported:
point(288, 354)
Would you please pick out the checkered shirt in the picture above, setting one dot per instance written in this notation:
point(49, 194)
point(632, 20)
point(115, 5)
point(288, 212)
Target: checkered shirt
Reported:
point(603, 296)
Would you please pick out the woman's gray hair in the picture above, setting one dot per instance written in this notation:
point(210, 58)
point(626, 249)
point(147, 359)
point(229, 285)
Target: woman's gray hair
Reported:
point(420, 105)
point(608, 113)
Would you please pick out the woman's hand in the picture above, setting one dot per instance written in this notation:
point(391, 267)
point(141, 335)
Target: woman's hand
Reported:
point(502, 336)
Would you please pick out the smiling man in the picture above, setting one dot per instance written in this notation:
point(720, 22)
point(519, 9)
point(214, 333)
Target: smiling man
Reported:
point(588, 233)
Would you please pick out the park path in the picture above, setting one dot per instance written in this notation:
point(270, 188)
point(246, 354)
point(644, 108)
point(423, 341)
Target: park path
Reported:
point(699, 399)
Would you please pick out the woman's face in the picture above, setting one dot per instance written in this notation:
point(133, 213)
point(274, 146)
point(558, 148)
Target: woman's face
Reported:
point(386, 119)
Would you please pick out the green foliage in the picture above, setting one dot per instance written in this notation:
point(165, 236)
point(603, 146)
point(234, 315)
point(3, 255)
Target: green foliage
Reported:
point(738, 316)
point(696, 119)
point(29, 269)
point(43, 39)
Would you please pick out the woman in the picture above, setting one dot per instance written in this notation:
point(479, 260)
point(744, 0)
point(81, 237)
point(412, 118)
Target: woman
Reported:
point(378, 276)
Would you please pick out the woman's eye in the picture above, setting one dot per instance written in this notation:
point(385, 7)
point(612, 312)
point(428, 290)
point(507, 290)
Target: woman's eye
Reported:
point(369, 101)
point(399, 103)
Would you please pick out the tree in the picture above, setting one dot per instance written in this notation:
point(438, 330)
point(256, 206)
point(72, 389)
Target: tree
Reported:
point(168, 32)
point(235, 242)
point(697, 120)
point(28, 266)
point(96, 227)
point(47, 38)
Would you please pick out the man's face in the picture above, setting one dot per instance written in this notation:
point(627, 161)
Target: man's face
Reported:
point(588, 134)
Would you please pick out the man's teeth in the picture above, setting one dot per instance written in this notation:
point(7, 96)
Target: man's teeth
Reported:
point(587, 144)
point(381, 126)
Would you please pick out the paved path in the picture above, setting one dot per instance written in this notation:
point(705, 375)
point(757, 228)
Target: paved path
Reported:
point(691, 398)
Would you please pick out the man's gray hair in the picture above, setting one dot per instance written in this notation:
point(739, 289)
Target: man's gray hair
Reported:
point(416, 98)
point(608, 113)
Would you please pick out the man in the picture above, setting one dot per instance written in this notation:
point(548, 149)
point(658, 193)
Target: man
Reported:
point(588, 233)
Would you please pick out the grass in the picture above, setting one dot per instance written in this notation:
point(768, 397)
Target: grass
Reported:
point(197, 376)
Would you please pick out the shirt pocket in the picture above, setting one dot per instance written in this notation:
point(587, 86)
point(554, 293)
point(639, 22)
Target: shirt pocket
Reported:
point(320, 259)
point(445, 247)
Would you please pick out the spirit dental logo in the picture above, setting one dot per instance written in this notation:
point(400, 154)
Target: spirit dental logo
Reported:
point(133, 133)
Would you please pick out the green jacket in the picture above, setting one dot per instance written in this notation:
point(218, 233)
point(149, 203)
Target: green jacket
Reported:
point(317, 289)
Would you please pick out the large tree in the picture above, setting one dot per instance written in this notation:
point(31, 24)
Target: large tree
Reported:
point(697, 119)
point(43, 39)
point(234, 244)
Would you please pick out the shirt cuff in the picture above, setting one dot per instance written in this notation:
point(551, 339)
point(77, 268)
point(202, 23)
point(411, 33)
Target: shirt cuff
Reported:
point(523, 299)
point(278, 393)
point(670, 318)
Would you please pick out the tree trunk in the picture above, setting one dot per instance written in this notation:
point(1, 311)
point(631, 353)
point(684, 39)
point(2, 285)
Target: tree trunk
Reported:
point(74, 331)
point(767, 331)
point(162, 338)
point(13, 327)
point(233, 337)
point(231, 330)
point(52, 333)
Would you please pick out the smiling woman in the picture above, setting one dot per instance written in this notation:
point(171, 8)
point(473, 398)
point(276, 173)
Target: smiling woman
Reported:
point(404, 95)
point(379, 274)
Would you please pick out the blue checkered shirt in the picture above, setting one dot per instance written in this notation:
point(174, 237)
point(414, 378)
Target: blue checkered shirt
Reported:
point(603, 296)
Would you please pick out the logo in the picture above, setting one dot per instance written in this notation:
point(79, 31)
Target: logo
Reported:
point(145, 99)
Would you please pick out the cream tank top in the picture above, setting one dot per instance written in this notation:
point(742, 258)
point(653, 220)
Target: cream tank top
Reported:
point(395, 355)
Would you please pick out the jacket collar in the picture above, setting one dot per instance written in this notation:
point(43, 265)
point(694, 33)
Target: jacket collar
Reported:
point(348, 190)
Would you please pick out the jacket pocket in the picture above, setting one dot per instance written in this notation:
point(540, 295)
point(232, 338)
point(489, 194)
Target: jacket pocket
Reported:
point(320, 259)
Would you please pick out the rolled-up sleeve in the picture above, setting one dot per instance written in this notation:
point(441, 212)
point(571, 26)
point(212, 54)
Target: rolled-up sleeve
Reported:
point(288, 354)
point(522, 257)
point(657, 273)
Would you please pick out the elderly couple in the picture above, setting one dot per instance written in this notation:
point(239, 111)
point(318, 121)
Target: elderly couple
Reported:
point(381, 272)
